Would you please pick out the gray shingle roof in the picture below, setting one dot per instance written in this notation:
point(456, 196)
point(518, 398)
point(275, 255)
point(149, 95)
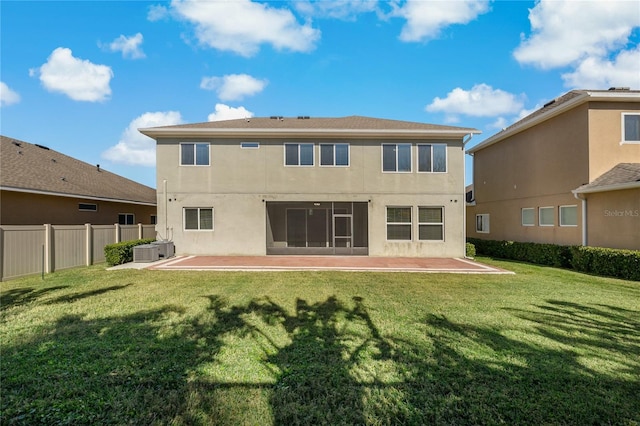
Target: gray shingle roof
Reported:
point(623, 174)
point(28, 167)
point(353, 122)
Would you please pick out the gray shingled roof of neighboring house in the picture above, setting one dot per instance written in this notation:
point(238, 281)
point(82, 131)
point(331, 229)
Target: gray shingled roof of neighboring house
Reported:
point(26, 167)
point(567, 100)
point(304, 124)
point(622, 176)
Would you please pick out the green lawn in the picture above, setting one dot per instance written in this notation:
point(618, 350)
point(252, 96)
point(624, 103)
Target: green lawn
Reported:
point(544, 346)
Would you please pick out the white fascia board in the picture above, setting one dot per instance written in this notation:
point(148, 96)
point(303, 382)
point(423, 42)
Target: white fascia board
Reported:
point(84, 197)
point(578, 100)
point(351, 133)
point(606, 188)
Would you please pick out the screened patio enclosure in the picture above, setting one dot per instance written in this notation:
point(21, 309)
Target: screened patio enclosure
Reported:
point(320, 228)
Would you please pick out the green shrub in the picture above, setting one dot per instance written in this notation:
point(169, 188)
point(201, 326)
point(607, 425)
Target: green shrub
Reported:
point(119, 253)
point(623, 264)
point(470, 250)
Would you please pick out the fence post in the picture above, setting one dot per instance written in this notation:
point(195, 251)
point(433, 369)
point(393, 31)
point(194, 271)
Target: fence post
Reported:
point(89, 244)
point(139, 231)
point(117, 228)
point(48, 248)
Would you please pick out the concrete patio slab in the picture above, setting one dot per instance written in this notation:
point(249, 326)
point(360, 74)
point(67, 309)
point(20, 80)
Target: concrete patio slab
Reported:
point(325, 263)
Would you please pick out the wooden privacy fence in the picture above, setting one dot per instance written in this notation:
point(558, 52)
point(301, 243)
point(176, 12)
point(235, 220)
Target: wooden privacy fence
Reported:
point(35, 249)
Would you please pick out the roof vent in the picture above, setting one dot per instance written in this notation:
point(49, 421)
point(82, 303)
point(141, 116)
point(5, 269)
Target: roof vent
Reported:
point(53, 160)
point(303, 117)
point(551, 102)
point(42, 146)
point(619, 89)
point(16, 143)
point(276, 117)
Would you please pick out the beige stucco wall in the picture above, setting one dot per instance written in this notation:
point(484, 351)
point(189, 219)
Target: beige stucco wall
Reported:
point(614, 219)
point(19, 208)
point(239, 182)
point(605, 135)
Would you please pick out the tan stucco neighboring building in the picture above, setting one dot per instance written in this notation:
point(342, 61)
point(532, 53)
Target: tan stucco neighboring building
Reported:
point(567, 174)
point(40, 186)
point(276, 185)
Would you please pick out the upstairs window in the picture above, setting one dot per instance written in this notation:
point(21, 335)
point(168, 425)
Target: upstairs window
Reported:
point(336, 154)
point(194, 154)
point(298, 154)
point(396, 157)
point(630, 128)
point(432, 158)
point(568, 215)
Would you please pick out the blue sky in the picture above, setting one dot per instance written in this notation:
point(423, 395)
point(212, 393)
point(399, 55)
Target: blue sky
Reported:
point(81, 76)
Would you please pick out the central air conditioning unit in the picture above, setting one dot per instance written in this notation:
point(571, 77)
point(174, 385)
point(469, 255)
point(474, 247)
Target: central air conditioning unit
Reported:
point(165, 248)
point(146, 253)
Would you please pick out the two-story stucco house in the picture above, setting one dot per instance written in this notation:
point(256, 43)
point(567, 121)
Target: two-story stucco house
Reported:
point(567, 174)
point(301, 185)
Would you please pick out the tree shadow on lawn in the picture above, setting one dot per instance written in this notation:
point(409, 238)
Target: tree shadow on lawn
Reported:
point(22, 296)
point(325, 363)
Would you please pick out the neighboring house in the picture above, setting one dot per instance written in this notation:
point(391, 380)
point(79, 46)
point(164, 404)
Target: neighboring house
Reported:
point(351, 185)
point(39, 185)
point(568, 174)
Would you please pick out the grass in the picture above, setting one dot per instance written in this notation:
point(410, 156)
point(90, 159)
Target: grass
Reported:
point(544, 346)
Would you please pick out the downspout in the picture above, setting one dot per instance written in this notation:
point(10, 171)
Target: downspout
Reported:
point(583, 198)
point(464, 196)
point(166, 213)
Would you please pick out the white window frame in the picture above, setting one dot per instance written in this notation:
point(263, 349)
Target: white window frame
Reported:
point(533, 219)
point(623, 128)
point(333, 145)
point(485, 222)
point(396, 161)
point(409, 224)
point(298, 144)
point(195, 157)
point(441, 224)
point(540, 216)
point(432, 145)
point(574, 206)
point(184, 219)
point(250, 145)
point(126, 216)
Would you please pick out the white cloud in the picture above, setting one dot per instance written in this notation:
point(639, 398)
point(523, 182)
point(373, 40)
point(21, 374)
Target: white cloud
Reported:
point(225, 112)
point(157, 13)
point(425, 19)
point(597, 73)
point(233, 86)
point(77, 78)
point(481, 101)
point(136, 149)
point(241, 26)
point(565, 31)
point(129, 46)
point(8, 96)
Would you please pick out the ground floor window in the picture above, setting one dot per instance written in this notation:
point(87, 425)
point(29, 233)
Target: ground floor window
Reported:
point(482, 223)
point(431, 223)
point(528, 217)
point(568, 215)
point(546, 216)
point(126, 219)
point(198, 218)
point(398, 223)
